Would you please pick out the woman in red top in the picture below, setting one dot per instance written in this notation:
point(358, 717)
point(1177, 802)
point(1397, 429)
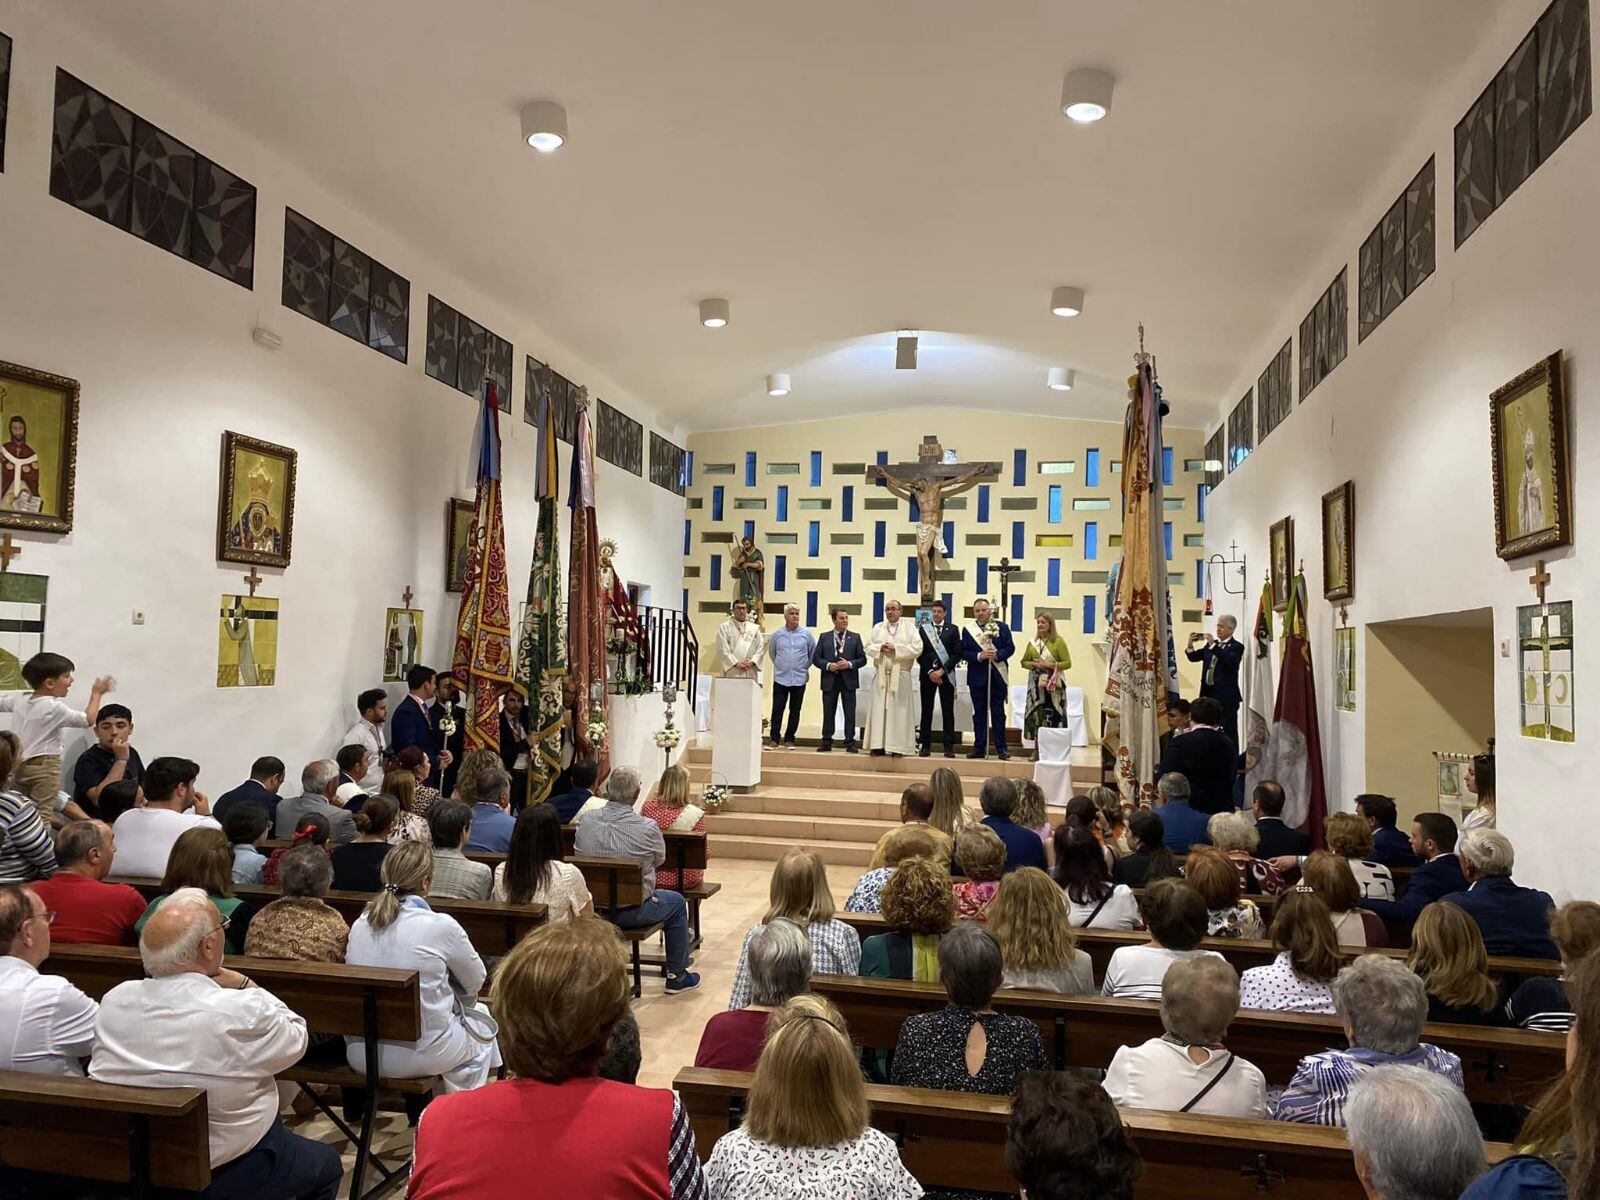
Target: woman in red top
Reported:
point(557, 996)
point(670, 809)
point(779, 960)
point(982, 857)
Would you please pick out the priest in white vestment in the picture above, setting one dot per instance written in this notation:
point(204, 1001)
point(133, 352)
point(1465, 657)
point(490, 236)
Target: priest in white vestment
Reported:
point(739, 645)
point(892, 650)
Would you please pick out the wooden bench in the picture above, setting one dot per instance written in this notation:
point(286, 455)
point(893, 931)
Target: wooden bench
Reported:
point(1243, 953)
point(619, 883)
point(1500, 1065)
point(148, 1138)
point(372, 1003)
point(956, 1140)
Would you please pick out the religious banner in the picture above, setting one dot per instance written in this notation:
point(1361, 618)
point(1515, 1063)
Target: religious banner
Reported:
point(542, 646)
point(482, 659)
point(247, 642)
point(1292, 754)
point(586, 620)
point(1256, 681)
point(1344, 669)
point(1544, 650)
point(1139, 665)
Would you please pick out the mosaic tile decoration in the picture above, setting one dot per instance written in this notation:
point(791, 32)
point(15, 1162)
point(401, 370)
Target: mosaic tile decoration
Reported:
point(1566, 95)
point(668, 465)
point(1275, 392)
point(1398, 254)
point(1324, 335)
point(618, 438)
point(459, 349)
point(337, 285)
point(1241, 433)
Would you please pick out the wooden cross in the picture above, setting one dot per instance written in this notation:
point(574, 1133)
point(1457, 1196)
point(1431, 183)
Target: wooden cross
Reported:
point(254, 580)
point(1005, 569)
point(406, 595)
point(1344, 614)
point(1539, 579)
point(8, 551)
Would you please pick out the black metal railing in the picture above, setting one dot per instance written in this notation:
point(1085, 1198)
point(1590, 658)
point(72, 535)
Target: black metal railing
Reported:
point(665, 654)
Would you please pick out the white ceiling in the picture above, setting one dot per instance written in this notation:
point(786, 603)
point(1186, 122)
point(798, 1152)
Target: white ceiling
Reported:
point(841, 168)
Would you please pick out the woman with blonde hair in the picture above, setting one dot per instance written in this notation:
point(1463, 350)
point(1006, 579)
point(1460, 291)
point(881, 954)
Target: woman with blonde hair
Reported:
point(807, 1132)
point(1228, 914)
point(398, 929)
point(1350, 837)
point(981, 855)
point(900, 843)
point(950, 812)
point(919, 907)
point(1037, 941)
point(1300, 978)
point(474, 764)
point(410, 825)
point(1448, 954)
point(670, 809)
point(1330, 877)
point(1045, 658)
point(799, 891)
point(1031, 811)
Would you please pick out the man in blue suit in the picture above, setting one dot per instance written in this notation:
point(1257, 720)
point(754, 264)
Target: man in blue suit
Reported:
point(412, 723)
point(1182, 825)
point(1219, 677)
point(987, 646)
point(1389, 846)
point(266, 777)
point(582, 775)
point(1512, 919)
point(839, 656)
point(1433, 840)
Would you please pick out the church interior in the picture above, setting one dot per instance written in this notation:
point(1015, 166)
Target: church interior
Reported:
point(812, 417)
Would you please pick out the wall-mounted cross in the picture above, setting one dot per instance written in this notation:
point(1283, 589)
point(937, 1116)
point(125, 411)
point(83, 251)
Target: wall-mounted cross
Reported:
point(406, 595)
point(1005, 570)
point(255, 580)
point(1344, 614)
point(8, 551)
point(1540, 579)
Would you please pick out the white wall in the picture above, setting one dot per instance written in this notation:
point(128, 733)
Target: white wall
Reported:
point(1406, 417)
point(163, 352)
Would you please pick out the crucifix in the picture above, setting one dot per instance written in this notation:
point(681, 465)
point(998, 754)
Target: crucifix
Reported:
point(1005, 570)
point(255, 580)
point(1540, 579)
point(928, 483)
point(8, 551)
point(406, 596)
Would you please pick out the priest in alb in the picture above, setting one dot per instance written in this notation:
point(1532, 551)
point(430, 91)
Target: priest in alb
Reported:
point(892, 650)
point(739, 643)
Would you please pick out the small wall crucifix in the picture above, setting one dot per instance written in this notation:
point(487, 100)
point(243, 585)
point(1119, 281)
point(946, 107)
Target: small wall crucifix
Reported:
point(1540, 579)
point(406, 596)
point(255, 580)
point(8, 551)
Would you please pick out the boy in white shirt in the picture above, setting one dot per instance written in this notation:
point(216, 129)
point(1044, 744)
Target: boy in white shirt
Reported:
point(40, 719)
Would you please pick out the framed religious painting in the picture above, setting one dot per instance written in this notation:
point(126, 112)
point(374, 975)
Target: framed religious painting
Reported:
point(247, 641)
point(1528, 442)
point(458, 536)
point(39, 457)
point(1282, 563)
point(1339, 542)
point(255, 503)
point(402, 641)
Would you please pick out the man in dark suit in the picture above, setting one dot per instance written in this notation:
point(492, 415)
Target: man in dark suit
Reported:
point(1219, 677)
point(1277, 839)
point(840, 657)
point(447, 707)
point(941, 653)
point(1433, 840)
point(998, 798)
point(412, 722)
point(1512, 919)
point(987, 655)
point(1389, 846)
point(1205, 756)
point(266, 777)
point(582, 773)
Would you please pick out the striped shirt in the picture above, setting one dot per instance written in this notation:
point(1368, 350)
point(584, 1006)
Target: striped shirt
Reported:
point(1321, 1084)
point(27, 851)
point(1541, 1004)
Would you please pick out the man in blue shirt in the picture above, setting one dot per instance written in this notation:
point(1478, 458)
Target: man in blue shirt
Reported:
point(1181, 825)
point(1023, 847)
point(790, 649)
point(492, 821)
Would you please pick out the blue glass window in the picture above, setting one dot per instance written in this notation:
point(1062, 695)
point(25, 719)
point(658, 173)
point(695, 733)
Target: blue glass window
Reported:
point(1019, 468)
point(880, 538)
point(1019, 538)
point(686, 539)
point(716, 502)
point(749, 529)
point(1166, 466)
point(783, 502)
point(983, 504)
point(911, 574)
point(1053, 576)
point(811, 610)
point(814, 538)
point(1200, 494)
point(716, 573)
point(844, 572)
point(980, 577)
point(1091, 540)
point(877, 607)
point(816, 468)
point(749, 468)
point(1054, 516)
point(950, 538)
point(847, 503)
point(1091, 468)
point(780, 572)
point(688, 475)
point(882, 460)
point(1088, 614)
point(914, 509)
point(1200, 579)
point(1016, 612)
point(1166, 534)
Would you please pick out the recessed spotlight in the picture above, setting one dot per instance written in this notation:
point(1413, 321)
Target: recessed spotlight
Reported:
point(778, 385)
point(713, 313)
point(544, 126)
point(1086, 95)
point(905, 350)
point(1066, 301)
point(1060, 379)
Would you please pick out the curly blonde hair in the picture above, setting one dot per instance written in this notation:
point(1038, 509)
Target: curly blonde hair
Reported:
point(1030, 922)
point(1030, 811)
point(917, 897)
point(980, 853)
point(1348, 835)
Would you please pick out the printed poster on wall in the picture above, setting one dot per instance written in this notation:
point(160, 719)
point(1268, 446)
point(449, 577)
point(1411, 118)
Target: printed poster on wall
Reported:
point(1344, 668)
point(21, 625)
point(1544, 651)
point(247, 642)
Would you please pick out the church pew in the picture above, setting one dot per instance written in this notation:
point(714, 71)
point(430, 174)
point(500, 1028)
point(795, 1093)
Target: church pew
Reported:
point(1243, 953)
point(371, 1003)
point(619, 883)
point(1500, 1065)
point(148, 1138)
point(956, 1140)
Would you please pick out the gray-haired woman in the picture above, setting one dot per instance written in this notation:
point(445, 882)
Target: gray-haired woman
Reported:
point(778, 958)
point(1383, 1006)
point(398, 929)
point(300, 925)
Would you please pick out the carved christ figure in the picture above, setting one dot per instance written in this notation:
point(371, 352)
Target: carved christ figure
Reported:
point(930, 483)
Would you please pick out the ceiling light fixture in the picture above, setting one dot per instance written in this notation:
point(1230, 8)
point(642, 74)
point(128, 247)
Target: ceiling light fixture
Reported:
point(1060, 379)
point(713, 313)
point(905, 350)
point(1066, 301)
point(778, 385)
point(544, 126)
point(1086, 95)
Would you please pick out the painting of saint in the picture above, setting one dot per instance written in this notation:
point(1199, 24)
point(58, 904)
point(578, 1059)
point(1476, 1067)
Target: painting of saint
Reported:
point(247, 642)
point(1338, 542)
point(1529, 443)
point(255, 510)
point(1282, 538)
point(19, 470)
point(38, 458)
point(458, 540)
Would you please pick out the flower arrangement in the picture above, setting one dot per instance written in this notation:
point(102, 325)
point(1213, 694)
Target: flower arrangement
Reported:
point(668, 738)
point(447, 723)
point(597, 730)
point(715, 798)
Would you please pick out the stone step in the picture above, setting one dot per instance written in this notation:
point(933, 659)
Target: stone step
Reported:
point(770, 849)
point(1017, 767)
point(799, 828)
point(809, 802)
point(827, 782)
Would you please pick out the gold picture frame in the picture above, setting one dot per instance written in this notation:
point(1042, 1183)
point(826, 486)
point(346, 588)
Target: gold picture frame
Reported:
point(458, 516)
point(39, 454)
point(255, 501)
point(1528, 447)
point(1282, 562)
point(1339, 542)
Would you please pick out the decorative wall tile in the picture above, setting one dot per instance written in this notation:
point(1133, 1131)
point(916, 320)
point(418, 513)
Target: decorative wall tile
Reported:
point(1398, 254)
point(349, 291)
point(307, 266)
point(1420, 249)
point(1476, 194)
point(459, 350)
point(1275, 389)
point(1324, 335)
point(335, 284)
point(162, 189)
point(619, 439)
point(1392, 239)
point(91, 153)
point(389, 332)
point(1565, 88)
point(5, 93)
point(1516, 130)
point(1241, 433)
point(224, 237)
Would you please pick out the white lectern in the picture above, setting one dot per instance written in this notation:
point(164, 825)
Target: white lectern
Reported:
point(736, 732)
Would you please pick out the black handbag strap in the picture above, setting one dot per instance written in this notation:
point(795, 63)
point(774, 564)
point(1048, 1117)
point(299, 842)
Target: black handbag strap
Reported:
point(1104, 900)
point(1215, 1079)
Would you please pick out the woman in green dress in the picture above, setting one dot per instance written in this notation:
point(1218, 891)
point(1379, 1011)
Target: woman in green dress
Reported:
point(1045, 660)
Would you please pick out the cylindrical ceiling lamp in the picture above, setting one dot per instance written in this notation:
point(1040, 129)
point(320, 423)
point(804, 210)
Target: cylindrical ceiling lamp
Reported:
point(1066, 301)
point(544, 125)
point(778, 385)
point(1060, 379)
point(713, 313)
point(1086, 95)
point(905, 350)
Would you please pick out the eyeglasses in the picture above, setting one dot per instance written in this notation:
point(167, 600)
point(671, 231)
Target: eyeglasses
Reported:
point(47, 916)
point(226, 921)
